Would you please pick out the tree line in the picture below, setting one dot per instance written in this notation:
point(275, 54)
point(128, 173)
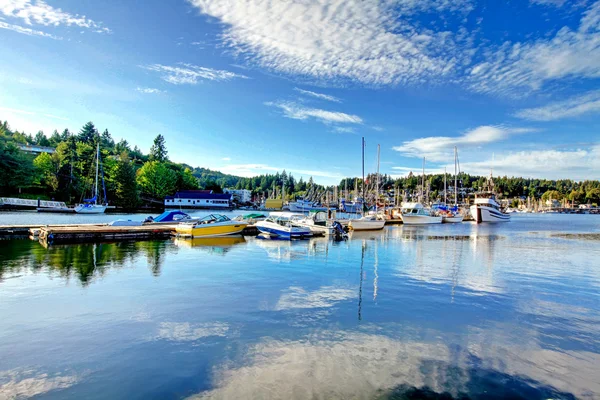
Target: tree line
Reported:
point(133, 178)
point(67, 174)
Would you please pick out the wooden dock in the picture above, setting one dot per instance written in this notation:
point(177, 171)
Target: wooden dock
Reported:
point(98, 233)
point(55, 234)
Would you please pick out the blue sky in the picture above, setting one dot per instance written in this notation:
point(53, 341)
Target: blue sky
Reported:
point(255, 86)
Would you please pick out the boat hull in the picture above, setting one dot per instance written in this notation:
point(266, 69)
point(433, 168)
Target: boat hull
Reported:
point(359, 225)
point(420, 220)
point(90, 209)
point(488, 214)
point(453, 220)
point(282, 231)
point(209, 230)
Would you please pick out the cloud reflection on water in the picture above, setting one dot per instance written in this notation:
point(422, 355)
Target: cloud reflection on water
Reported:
point(342, 365)
point(19, 383)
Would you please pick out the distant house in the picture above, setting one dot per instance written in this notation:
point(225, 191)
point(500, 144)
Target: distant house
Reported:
point(240, 195)
point(198, 199)
point(35, 149)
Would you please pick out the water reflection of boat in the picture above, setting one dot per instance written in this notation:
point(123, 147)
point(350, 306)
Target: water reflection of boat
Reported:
point(282, 249)
point(225, 241)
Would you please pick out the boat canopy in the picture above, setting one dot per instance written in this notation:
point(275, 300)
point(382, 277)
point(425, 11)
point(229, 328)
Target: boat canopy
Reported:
point(169, 216)
point(210, 218)
point(254, 215)
point(92, 200)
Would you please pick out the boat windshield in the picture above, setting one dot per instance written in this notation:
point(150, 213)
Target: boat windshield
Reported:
point(212, 218)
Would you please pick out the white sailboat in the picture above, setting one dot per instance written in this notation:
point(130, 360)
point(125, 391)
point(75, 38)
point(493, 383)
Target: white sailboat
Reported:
point(91, 206)
point(368, 222)
point(453, 217)
point(416, 213)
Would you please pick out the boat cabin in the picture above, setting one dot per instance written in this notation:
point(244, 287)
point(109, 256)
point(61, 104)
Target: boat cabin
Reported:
point(414, 209)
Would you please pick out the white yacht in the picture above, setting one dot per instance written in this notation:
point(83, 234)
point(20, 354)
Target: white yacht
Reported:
point(487, 209)
point(417, 214)
point(367, 223)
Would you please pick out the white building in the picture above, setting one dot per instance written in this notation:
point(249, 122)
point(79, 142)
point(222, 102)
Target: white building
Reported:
point(240, 195)
point(198, 199)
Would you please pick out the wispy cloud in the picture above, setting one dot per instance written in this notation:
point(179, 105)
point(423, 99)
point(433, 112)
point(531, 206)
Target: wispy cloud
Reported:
point(440, 148)
point(250, 170)
point(16, 111)
point(344, 129)
point(585, 104)
point(191, 74)
point(554, 3)
point(369, 41)
point(226, 158)
point(148, 90)
point(577, 163)
point(40, 13)
point(516, 69)
point(318, 95)
point(296, 111)
point(26, 31)
point(377, 128)
point(56, 117)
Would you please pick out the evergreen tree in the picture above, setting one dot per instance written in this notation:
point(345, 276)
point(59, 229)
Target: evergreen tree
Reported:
point(106, 140)
point(41, 139)
point(55, 139)
point(158, 151)
point(88, 134)
point(125, 186)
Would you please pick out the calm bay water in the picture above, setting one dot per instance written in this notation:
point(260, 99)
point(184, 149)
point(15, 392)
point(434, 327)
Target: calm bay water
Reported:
point(479, 311)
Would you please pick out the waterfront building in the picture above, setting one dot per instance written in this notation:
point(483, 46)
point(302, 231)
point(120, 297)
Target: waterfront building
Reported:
point(198, 199)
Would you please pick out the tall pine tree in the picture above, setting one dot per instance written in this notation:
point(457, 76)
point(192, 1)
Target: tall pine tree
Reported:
point(158, 151)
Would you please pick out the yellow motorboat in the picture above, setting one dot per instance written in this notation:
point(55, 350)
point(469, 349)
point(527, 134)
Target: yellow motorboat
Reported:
point(210, 226)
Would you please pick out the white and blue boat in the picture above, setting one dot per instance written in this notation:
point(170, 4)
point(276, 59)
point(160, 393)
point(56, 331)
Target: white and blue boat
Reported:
point(279, 224)
point(352, 207)
point(305, 206)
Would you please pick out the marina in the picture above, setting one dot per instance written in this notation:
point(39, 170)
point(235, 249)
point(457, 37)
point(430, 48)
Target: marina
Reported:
point(449, 304)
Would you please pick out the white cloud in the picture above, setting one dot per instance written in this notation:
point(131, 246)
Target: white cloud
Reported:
point(326, 296)
point(318, 95)
point(296, 111)
point(226, 159)
point(191, 74)
point(441, 148)
point(368, 41)
point(56, 117)
point(344, 129)
point(585, 104)
point(148, 90)
point(16, 111)
point(186, 332)
point(516, 69)
point(26, 31)
point(578, 164)
point(39, 12)
point(377, 128)
point(555, 3)
point(250, 170)
point(17, 384)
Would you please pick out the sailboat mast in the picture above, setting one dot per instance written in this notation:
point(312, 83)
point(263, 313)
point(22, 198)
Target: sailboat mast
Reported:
point(363, 167)
point(455, 178)
point(422, 199)
point(445, 187)
point(97, 165)
point(377, 189)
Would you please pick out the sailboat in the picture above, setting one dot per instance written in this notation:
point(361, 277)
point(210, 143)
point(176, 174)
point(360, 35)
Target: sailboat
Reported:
point(91, 206)
point(452, 216)
point(416, 213)
point(368, 222)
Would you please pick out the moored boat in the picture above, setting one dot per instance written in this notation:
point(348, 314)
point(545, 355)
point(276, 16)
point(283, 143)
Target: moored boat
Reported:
point(170, 217)
point(305, 206)
point(91, 206)
point(417, 214)
point(487, 209)
point(279, 224)
point(212, 225)
point(367, 223)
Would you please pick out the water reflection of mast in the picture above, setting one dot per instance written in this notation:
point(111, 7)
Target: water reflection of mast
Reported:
point(376, 278)
point(362, 262)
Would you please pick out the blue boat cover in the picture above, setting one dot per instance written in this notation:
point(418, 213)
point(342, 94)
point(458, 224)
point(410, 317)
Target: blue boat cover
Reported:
point(168, 216)
point(93, 199)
